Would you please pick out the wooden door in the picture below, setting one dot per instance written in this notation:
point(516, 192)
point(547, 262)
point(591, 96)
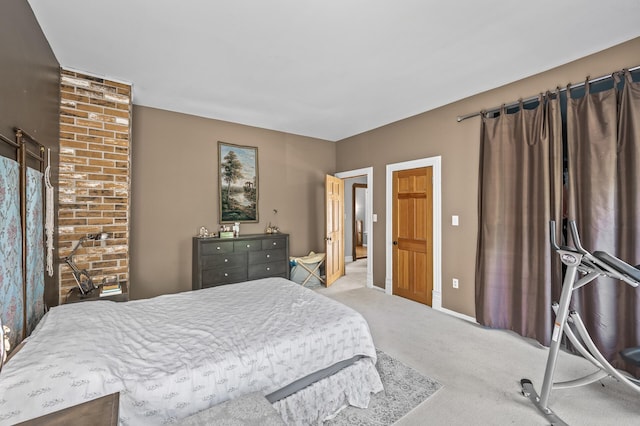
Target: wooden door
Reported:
point(413, 234)
point(334, 228)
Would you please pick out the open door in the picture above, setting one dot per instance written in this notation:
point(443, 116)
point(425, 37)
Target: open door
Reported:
point(334, 228)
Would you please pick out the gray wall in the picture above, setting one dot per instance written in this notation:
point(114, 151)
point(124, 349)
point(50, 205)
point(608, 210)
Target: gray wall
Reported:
point(29, 89)
point(175, 188)
point(438, 133)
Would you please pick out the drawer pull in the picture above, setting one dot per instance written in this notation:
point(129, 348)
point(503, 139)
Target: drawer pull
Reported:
point(218, 248)
point(268, 256)
point(275, 243)
point(268, 269)
point(226, 260)
point(226, 274)
point(248, 245)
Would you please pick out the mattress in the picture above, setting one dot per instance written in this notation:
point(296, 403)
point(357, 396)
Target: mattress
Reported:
point(174, 355)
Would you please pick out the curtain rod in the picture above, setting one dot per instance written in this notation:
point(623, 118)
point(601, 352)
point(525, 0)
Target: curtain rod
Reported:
point(533, 98)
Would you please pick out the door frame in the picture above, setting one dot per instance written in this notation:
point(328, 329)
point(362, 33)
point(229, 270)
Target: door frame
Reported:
point(435, 162)
point(368, 172)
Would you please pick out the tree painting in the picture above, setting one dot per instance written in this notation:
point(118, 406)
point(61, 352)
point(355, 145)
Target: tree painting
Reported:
point(238, 183)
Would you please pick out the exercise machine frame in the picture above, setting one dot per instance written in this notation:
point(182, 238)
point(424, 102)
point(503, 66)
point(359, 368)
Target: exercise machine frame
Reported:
point(591, 266)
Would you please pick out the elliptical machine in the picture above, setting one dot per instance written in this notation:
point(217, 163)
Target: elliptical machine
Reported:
point(591, 266)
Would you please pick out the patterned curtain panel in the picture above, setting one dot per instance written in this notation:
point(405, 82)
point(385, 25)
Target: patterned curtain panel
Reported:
point(11, 298)
point(35, 249)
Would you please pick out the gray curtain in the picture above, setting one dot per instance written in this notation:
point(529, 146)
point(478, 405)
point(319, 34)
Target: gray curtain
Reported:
point(603, 141)
point(517, 272)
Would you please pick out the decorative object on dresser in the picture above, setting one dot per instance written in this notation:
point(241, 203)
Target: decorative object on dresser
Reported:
point(249, 257)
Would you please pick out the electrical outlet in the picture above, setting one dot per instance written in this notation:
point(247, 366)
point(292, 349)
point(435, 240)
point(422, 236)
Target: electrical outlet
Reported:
point(455, 283)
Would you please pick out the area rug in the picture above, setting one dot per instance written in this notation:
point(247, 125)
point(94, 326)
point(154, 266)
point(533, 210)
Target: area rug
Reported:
point(404, 389)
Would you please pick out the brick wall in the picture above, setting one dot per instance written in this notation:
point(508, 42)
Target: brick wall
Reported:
point(94, 175)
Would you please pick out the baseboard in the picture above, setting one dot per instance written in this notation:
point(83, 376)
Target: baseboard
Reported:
point(348, 259)
point(458, 315)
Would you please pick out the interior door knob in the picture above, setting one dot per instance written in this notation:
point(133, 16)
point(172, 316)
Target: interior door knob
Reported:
point(395, 243)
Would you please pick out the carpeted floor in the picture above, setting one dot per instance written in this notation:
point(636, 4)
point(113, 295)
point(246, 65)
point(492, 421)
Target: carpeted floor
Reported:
point(404, 389)
point(480, 368)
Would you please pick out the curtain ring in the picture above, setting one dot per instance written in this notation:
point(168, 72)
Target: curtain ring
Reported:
point(587, 85)
point(616, 78)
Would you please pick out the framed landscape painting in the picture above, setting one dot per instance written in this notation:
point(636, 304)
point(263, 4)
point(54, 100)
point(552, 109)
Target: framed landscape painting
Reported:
point(237, 183)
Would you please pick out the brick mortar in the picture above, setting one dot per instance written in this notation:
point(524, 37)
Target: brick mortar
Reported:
point(95, 175)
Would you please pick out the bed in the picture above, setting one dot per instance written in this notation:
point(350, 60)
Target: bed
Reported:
point(175, 355)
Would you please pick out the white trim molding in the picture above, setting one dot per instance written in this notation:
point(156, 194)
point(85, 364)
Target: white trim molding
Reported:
point(459, 315)
point(434, 162)
point(368, 172)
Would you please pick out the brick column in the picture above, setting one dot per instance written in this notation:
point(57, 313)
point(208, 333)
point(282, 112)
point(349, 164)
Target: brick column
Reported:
point(94, 175)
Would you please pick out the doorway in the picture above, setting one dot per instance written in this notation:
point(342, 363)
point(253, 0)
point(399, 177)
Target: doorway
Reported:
point(365, 177)
point(436, 244)
point(359, 232)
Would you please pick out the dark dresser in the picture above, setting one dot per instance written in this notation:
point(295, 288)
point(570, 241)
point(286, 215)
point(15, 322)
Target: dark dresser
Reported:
point(218, 261)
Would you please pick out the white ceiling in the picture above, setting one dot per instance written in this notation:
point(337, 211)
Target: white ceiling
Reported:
point(327, 69)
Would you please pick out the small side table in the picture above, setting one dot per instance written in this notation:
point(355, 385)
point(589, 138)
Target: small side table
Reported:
point(74, 296)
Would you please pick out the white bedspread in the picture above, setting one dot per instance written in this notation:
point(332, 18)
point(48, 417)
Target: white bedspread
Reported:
point(174, 355)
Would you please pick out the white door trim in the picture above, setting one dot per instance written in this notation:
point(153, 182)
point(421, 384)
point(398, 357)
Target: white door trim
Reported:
point(434, 162)
point(368, 172)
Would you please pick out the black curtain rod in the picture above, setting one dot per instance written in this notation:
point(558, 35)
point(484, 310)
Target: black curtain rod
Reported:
point(533, 98)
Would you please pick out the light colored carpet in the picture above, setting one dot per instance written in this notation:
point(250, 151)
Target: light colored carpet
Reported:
point(404, 389)
point(480, 369)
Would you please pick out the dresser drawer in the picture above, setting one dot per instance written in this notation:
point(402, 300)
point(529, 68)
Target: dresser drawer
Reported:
point(247, 245)
point(274, 244)
point(267, 256)
point(215, 277)
point(218, 261)
point(268, 270)
point(214, 247)
point(224, 260)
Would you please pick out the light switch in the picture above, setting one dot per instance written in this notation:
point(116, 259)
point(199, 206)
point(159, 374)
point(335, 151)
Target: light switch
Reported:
point(375, 217)
point(454, 220)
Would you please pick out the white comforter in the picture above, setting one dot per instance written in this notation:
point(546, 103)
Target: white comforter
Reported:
point(174, 355)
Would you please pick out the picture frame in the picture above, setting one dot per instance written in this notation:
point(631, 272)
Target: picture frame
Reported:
point(237, 183)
